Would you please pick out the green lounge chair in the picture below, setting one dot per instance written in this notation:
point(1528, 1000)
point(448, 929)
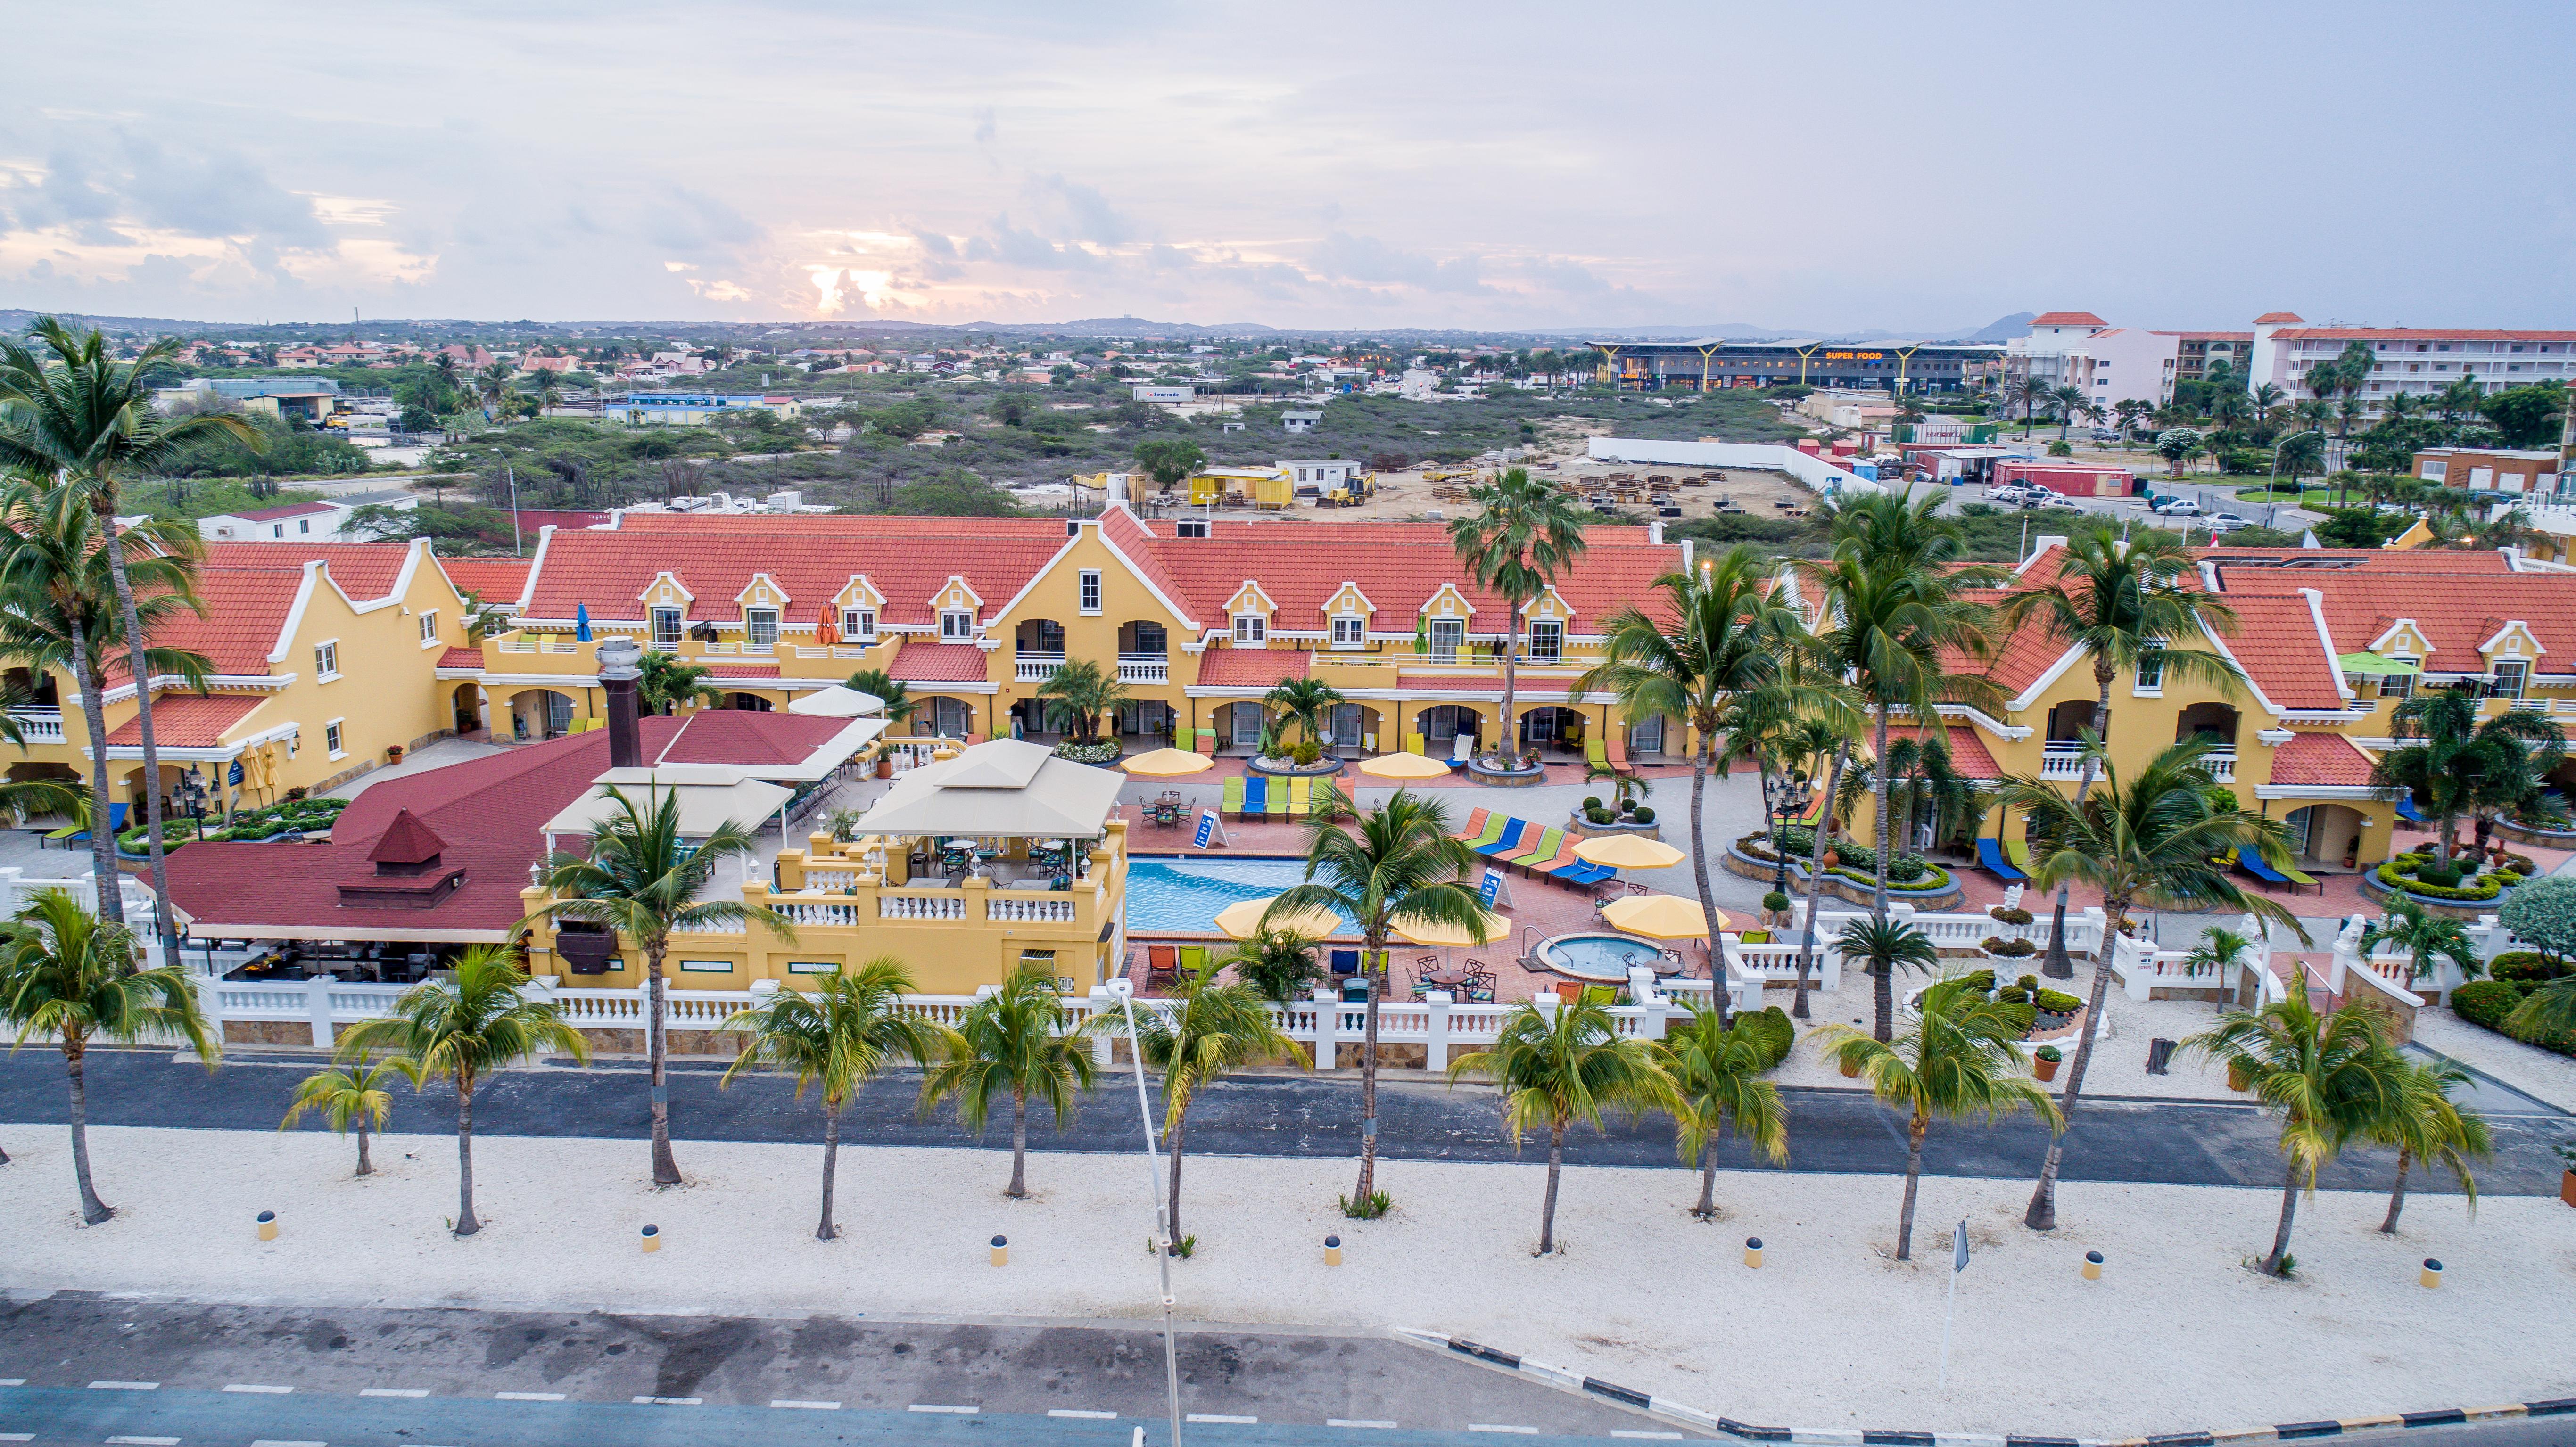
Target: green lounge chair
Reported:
point(1232, 802)
point(1194, 960)
point(1487, 827)
point(1548, 844)
point(2018, 851)
point(1596, 752)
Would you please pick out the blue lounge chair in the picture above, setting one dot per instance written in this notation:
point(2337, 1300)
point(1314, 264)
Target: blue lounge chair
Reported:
point(1256, 794)
point(2252, 863)
point(1587, 874)
point(1510, 843)
point(72, 834)
point(1345, 962)
point(1990, 857)
point(2407, 811)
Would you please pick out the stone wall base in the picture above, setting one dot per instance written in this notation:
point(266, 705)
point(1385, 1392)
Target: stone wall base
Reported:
point(267, 1032)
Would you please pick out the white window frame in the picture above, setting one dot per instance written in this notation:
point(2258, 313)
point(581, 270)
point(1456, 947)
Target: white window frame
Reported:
point(1350, 630)
point(2521, 677)
point(753, 621)
point(335, 737)
point(813, 967)
point(956, 625)
point(1251, 628)
point(1091, 592)
point(1556, 653)
point(679, 620)
point(2150, 679)
point(326, 660)
point(1456, 645)
point(2397, 685)
point(429, 628)
point(859, 623)
point(708, 967)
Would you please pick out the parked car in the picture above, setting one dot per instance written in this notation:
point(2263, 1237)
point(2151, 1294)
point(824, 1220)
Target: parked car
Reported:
point(2178, 507)
point(2226, 522)
point(2100, 434)
point(2055, 503)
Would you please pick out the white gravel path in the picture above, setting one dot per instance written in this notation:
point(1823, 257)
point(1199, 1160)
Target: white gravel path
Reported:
point(1830, 1333)
point(2527, 1068)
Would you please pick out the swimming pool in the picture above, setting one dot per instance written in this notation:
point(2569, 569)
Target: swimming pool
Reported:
point(1600, 958)
point(1182, 896)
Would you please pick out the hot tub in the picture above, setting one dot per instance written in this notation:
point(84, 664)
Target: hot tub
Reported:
point(1601, 959)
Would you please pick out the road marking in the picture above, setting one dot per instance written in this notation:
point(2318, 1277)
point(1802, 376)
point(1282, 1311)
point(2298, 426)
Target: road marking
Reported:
point(13, 1381)
point(790, 1403)
point(393, 1391)
point(1214, 1417)
point(1079, 1412)
point(125, 1386)
point(1490, 1427)
point(670, 1401)
point(256, 1387)
point(528, 1396)
point(1340, 1422)
point(928, 1407)
point(17, 1436)
point(1651, 1436)
point(271, 1442)
point(145, 1441)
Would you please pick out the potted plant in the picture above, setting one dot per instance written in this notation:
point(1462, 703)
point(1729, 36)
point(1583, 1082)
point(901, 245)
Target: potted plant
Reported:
point(1775, 908)
point(2240, 1076)
point(2567, 1178)
point(2043, 1062)
point(393, 753)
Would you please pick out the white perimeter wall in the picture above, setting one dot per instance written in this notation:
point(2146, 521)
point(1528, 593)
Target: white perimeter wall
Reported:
point(1815, 472)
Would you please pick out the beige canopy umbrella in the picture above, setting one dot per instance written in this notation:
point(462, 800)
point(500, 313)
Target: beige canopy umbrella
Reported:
point(1403, 766)
point(1167, 764)
point(1628, 851)
point(1241, 921)
point(1449, 936)
point(1660, 917)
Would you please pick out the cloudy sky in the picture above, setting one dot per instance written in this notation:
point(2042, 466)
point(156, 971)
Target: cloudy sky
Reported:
point(1916, 168)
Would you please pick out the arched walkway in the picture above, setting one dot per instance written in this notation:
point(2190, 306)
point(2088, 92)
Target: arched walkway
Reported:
point(467, 704)
point(2331, 835)
point(1554, 727)
point(1443, 722)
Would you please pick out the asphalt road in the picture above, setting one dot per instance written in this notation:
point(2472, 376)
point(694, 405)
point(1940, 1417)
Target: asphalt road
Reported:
point(2124, 1140)
point(229, 1376)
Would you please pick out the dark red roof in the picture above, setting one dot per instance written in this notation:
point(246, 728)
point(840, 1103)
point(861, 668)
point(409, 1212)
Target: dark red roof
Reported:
point(937, 663)
point(739, 736)
point(463, 657)
point(2320, 759)
point(2067, 319)
point(1969, 755)
point(406, 841)
point(497, 580)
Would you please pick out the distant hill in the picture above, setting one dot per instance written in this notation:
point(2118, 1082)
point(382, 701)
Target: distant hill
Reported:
point(2003, 329)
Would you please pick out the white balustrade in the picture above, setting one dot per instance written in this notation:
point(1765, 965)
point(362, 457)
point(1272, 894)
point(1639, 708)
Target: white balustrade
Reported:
point(38, 725)
point(1030, 911)
point(921, 906)
point(1037, 667)
point(1144, 668)
point(805, 912)
point(831, 878)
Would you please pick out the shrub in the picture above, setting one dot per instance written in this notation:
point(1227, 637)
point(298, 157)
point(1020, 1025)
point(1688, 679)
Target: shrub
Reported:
point(2544, 912)
point(1771, 1026)
point(2048, 1052)
point(1981, 981)
point(2526, 965)
point(1308, 753)
point(1775, 901)
point(2477, 891)
point(1591, 802)
point(2057, 1002)
point(2485, 1002)
point(2010, 949)
point(2013, 995)
point(1643, 814)
point(1368, 1207)
point(2439, 876)
point(1598, 815)
point(1906, 871)
point(2011, 916)
point(1104, 751)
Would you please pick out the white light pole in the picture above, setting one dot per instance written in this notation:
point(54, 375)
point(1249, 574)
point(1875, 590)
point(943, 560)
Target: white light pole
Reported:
point(1124, 991)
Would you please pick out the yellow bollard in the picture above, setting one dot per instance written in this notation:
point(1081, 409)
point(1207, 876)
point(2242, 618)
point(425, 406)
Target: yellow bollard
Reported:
point(1001, 1251)
point(1332, 1251)
point(268, 1225)
point(2431, 1276)
point(652, 1239)
point(1753, 1252)
point(2092, 1265)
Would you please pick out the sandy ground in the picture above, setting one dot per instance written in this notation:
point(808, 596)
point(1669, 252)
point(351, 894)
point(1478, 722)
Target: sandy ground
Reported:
point(2527, 1068)
point(2119, 1065)
point(1830, 1333)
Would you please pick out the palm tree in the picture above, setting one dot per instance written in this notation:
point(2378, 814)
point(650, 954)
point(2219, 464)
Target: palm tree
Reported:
point(67, 973)
point(2026, 392)
point(1562, 1067)
point(2329, 1079)
point(1195, 1039)
point(463, 1028)
point(493, 382)
point(636, 875)
point(1962, 1058)
point(2158, 840)
point(2067, 401)
point(545, 387)
point(353, 1094)
point(2427, 938)
point(90, 423)
point(1085, 691)
point(1716, 639)
point(670, 683)
point(2447, 757)
point(900, 705)
point(1304, 700)
point(2219, 952)
point(1017, 1040)
point(2426, 1124)
point(2122, 603)
point(2459, 399)
point(1883, 947)
point(837, 1036)
point(1896, 606)
point(1522, 536)
point(1716, 1070)
point(1395, 866)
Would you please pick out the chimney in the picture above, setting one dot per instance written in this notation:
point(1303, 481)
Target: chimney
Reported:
point(620, 665)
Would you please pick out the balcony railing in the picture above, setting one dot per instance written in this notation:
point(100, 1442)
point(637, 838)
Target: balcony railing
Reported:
point(1037, 667)
point(1144, 668)
point(38, 725)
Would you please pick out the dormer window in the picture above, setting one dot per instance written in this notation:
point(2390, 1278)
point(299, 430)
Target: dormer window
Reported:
point(1349, 630)
point(760, 629)
point(1251, 628)
point(859, 624)
point(666, 627)
point(2509, 677)
point(956, 625)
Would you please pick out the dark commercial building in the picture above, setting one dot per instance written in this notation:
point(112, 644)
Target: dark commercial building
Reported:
point(1712, 363)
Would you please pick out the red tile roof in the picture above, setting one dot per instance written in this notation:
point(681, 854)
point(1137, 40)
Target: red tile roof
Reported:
point(738, 736)
point(1968, 752)
point(497, 580)
point(2278, 319)
point(2276, 643)
point(2455, 613)
point(406, 841)
point(463, 657)
point(1251, 667)
point(187, 720)
point(2067, 319)
point(2314, 758)
point(937, 663)
point(246, 610)
point(363, 570)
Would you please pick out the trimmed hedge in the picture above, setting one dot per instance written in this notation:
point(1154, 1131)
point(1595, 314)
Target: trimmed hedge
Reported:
point(2488, 1002)
point(2529, 965)
point(2476, 891)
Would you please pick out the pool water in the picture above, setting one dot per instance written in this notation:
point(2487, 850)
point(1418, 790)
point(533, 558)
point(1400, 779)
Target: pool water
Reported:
point(1182, 896)
point(1604, 958)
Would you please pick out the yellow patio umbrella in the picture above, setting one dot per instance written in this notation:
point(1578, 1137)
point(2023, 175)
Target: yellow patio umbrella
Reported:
point(1628, 851)
point(1167, 764)
point(1403, 766)
point(1241, 921)
point(1660, 917)
point(1450, 936)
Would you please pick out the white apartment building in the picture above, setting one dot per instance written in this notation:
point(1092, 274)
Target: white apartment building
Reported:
point(2111, 365)
point(2416, 360)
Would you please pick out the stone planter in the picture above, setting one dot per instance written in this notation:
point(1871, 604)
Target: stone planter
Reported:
point(1485, 773)
point(1744, 866)
point(1581, 827)
point(2467, 909)
point(2546, 838)
point(1322, 768)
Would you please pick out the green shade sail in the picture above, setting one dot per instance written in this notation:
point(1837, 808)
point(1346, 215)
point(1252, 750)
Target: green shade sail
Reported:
point(2374, 664)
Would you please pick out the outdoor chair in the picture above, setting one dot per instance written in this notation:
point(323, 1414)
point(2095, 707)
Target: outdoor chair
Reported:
point(1232, 803)
point(1194, 959)
point(1343, 962)
point(1474, 833)
point(1162, 967)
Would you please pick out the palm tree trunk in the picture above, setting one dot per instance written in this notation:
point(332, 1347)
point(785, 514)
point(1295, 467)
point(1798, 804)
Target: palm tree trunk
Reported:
point(1699, 874)
point(1878, 786)
point(102, 840)
point(466, 1224)
point(165, 925)
point(93, 1210)
point(2057, 966)
point(1816, 879)
point(1555, 1168)
point(2289, 1213)
point(666, 1171)
point(1882, 993)
point(365, 1166)
point(1019, 1146)
point(1172, 1147)
point(2042, 1215)
point(1508, 743)
point(1914, 1130)
point(1706, 1210)
point(2397, 1196)
point(1368, 1083)
point(831, 1167)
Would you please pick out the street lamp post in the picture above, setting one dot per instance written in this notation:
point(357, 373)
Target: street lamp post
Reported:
point(1124, 991)
point(1783, 797)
